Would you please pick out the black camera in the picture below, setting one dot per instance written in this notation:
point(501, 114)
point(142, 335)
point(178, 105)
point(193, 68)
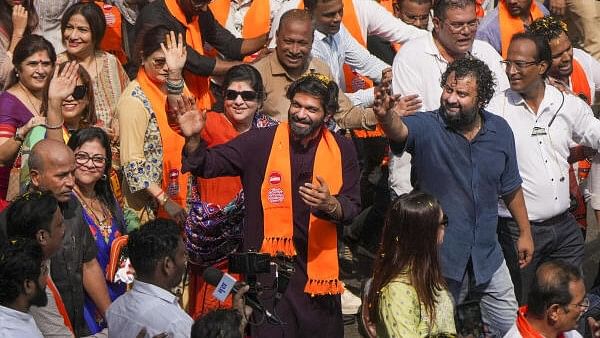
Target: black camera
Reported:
point(249, 263)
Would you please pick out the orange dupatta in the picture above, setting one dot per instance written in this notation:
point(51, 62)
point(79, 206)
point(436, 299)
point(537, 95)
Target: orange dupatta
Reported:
point(525, 329)
point(579, 82)
point(510, 25)
point(218, 190)
point(172, 142)
point(276, 196)
point(113, 36)
point(197, 84)
point(59, 303)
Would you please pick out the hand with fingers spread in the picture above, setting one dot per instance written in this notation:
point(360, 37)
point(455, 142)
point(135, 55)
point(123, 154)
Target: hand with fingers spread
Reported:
point(318, 197)
point(407, 105)
point(190, 120)
point(175, 54)
point(63, 83)
point(32, 123)
point(384, 101)
point(19, 20)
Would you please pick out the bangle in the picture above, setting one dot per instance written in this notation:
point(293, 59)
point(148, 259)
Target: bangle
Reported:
point(161, 198)
point(58, 126)
point(335, 206)
point(175, 87)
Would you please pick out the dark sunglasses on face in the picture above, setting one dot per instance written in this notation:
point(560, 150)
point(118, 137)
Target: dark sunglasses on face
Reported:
point(247, 95)
point(79, 92)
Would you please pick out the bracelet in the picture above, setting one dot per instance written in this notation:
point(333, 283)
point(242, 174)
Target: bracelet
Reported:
point(334, 209)
point(161, 200)
point(58, 126)
point(175, 87)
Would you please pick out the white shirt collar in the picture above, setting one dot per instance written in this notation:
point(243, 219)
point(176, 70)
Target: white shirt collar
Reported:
point(156, 291)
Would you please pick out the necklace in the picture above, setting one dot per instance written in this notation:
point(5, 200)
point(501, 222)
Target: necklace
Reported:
point(103, 223)
point(28, 96)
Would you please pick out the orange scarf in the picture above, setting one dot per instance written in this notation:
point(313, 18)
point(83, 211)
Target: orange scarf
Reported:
point(276, 196)
point(218, 190)
point(525, 329)
point(172, 143)
point(197, 84)
point(579, 82)
point(59, 303)
point(113, 36)
point(510, 25)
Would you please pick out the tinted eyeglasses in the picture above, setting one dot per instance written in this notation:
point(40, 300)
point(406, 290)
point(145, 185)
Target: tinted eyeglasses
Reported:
point(444, 221)
point(79, 92)
point(83, 158)
point(247, 95)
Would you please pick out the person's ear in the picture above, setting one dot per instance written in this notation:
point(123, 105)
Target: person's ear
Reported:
point(436, 24)
point(29, 288)
point(35, 177)
point(167, 265)
point(543, 67)
point(553, 312)
point(42, 236)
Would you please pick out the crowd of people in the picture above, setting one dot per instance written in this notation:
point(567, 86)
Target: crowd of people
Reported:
point(449, 146)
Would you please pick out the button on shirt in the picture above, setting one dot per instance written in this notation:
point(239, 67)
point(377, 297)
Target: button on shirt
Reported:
point(467, 178)
point(151, 307)
point(17, 324)
point(543, 157)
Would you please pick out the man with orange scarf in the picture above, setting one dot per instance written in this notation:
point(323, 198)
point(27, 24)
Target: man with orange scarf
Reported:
point(194, 19)
point(300, 180)
point(557, 301)
point(509, 18)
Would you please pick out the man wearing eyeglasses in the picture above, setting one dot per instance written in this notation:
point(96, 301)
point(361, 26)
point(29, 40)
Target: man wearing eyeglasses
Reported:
point(546, 123)
point(557, 300)
point(509, 18)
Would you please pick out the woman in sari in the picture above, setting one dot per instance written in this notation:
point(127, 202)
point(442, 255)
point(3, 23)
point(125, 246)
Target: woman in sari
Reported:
point(214, 226)
point(33, 62)
point(101, 211)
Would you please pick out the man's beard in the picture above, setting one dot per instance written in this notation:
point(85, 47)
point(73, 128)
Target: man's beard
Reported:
point(461, 120)
point(40, 298)
point(300, 133)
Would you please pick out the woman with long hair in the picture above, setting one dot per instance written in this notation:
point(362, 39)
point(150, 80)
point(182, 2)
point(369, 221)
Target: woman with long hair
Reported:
point(101, 211)
point(408, 295)
point(83, 26)
point(33, 61)
point(17, 19)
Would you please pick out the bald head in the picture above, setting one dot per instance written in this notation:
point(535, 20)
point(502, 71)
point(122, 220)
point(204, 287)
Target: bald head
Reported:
point(51, 166)
point(551, 286)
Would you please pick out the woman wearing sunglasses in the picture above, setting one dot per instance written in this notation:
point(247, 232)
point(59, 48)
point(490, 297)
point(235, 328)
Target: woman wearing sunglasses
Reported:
point(214, 226)
point(408, 295)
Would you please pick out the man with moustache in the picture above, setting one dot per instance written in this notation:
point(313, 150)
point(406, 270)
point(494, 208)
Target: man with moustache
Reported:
point(291, 60)
point(545, 122)
point(23, 274)
point(300, 180)
point(465, 157)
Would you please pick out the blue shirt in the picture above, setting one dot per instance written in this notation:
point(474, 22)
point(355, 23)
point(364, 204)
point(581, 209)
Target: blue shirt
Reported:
point(467, 178)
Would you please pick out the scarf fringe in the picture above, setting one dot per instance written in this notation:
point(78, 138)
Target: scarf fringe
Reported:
point(275, 245)
point(316, 287)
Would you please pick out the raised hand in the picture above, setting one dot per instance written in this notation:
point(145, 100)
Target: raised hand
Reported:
point(19, 20)
point(407, 105)
point(175, 54)
point(384, 100)
point(191, 121)
point(63, 84)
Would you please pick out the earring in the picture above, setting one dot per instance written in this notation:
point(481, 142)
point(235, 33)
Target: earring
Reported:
point(103, 177)
point(17, 75)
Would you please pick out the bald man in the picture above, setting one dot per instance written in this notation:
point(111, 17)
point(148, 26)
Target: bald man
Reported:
point(74, 268)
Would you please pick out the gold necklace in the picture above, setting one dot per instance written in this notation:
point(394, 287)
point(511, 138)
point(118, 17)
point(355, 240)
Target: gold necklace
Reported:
point(28, 96)
point(105, 228)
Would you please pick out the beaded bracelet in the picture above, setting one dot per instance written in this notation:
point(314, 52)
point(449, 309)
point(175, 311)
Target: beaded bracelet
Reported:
point(58, 126)
point(175, 88)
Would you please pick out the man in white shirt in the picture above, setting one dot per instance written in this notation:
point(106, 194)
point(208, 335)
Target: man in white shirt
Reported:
point(158, 256)
point(420, 63)
point(23, 272)
point(545, 122)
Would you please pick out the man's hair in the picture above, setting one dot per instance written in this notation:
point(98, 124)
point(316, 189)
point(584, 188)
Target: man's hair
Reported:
point(544, 53)
point(549, 27)
point(296, 14)
point(312, 4)
point(420, 2)
point(30, 213)
point(440, 7)
point(152, 242)
point(551, 286)
point(220, 323)
point(477, 69)
point(20, 260)
point(317, 85)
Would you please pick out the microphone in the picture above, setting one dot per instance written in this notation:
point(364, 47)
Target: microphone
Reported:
point(225, 284)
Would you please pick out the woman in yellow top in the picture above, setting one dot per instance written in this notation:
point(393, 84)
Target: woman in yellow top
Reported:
point(408, 295)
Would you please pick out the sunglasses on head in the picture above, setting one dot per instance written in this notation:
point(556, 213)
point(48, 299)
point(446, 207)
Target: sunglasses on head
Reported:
point(247, 95)
point(79, 92)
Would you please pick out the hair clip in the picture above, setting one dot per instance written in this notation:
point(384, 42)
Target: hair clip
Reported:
point(324, 79)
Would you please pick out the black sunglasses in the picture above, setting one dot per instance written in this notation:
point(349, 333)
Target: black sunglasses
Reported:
point(247, 95)
point(79, 92)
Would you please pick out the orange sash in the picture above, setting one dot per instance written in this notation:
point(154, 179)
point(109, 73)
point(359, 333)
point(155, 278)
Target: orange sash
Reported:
point(113, 36)
point(525, 329)
point(59, 303)
point(197, 84)
point(174, 182)
point(510, 25)
point(388, 4)
point(276, 196)
point(218, 190)
point(115, 256)
point(579, 82)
